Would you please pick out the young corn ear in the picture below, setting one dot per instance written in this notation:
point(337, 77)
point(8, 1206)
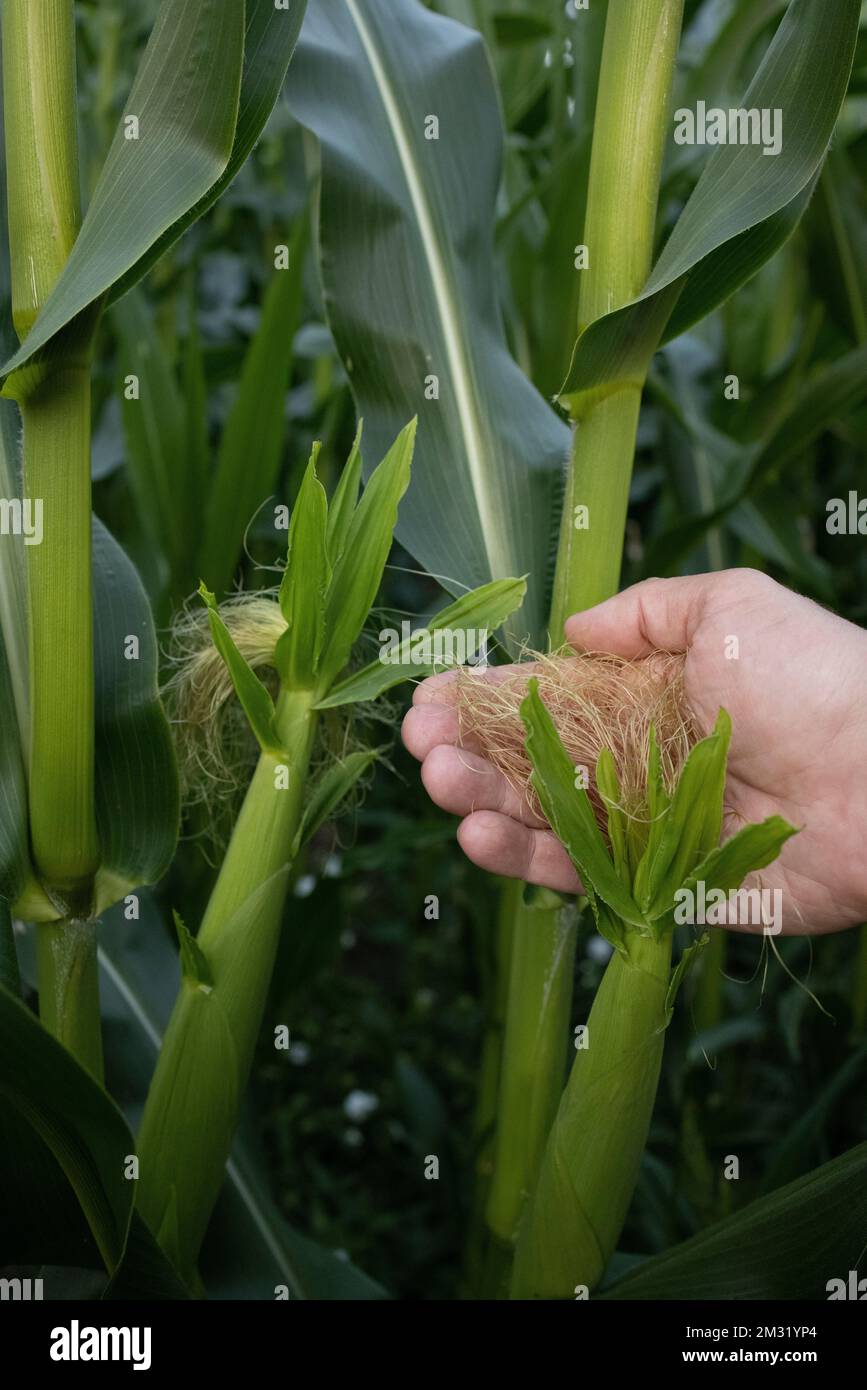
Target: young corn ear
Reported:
point(573, 1220)
point(337, 554)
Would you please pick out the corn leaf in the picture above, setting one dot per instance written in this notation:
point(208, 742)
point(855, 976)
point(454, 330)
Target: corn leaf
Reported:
point(255, 699)
point(305, 584)
point(194, 962)
point(783, 1246)
point(357, 574)
point(690, 828)
point(609, 789)
point(199, 115)
point(751, 848)
point(86, 1133)
point(745, 203)
point(405, 240)
point(155, 432)
point(10, 978)
point(137, 799)
point(344, 501)
point(568, 809)
point(252, 443)
point(328, 792)
point(144, 1274)
point(482, 611)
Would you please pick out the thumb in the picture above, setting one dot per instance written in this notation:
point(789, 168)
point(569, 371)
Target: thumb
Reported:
point(657, 614)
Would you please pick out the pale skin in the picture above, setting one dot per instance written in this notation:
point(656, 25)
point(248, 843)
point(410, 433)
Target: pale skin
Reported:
point(797, 695)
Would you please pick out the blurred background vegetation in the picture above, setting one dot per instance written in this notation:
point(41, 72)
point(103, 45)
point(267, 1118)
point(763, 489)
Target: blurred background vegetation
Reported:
point(385, 1006)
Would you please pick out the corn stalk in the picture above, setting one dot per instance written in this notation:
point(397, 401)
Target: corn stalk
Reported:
point(635, 79)
point(54, 398)
point(337, 553)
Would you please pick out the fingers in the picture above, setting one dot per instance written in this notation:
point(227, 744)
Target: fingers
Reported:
point(503, 846)
point(433, 718)
point(657, 614)
point(461, 782)
point(426, 726)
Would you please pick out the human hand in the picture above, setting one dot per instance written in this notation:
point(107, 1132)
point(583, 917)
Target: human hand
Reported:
point(793, 678)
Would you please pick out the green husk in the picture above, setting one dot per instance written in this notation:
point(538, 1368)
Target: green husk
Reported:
point(594, 1149)
point(572, 1223)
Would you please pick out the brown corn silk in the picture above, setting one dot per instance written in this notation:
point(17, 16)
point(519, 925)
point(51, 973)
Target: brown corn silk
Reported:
point(596, 700)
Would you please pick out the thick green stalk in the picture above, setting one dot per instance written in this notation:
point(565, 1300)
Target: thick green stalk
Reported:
point(68, 976)
point(44, 217)
point(194, 1098)
point(632, 112)
point(635, 78)
point(60, 622)
point(41, 121)
point(594, 1150)
point(40, 111)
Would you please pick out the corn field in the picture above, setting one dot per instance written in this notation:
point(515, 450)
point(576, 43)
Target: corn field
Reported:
point(432, 606)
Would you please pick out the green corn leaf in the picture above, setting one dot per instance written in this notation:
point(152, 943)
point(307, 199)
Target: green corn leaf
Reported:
point(788, 1245)
point(194, 962)
point(10, 978)
point(691, 825)
point(305, 584)
point(144, 1275)
point(155, 432)
point(608, 784)
point(751, 848)
point(406, 255)
point(198, 114)
point(328, 792)
point(137, 797)
point(483, 610)
point(252, 443)
point(185, 99)
point(358, 572)
point(269, 41)
point(176, 1211)
point(568, 809)
point(744, 205)
point(86, 1133)
point(342, 505)
point(255, 699)
point(195, 393)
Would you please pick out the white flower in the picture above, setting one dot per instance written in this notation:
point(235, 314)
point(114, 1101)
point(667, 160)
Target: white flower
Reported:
point(358, 1105)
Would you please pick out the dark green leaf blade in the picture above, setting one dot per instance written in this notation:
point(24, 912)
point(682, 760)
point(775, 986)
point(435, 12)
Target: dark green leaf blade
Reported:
point(252, 443)
point(137, 796)
point(473, 615)
point(407, 261)
point(787, 1245)
point(82, 1127)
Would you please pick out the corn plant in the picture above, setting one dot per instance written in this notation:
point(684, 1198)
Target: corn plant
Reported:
point(93, 733)
point(512, 320)
point(628, 304)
